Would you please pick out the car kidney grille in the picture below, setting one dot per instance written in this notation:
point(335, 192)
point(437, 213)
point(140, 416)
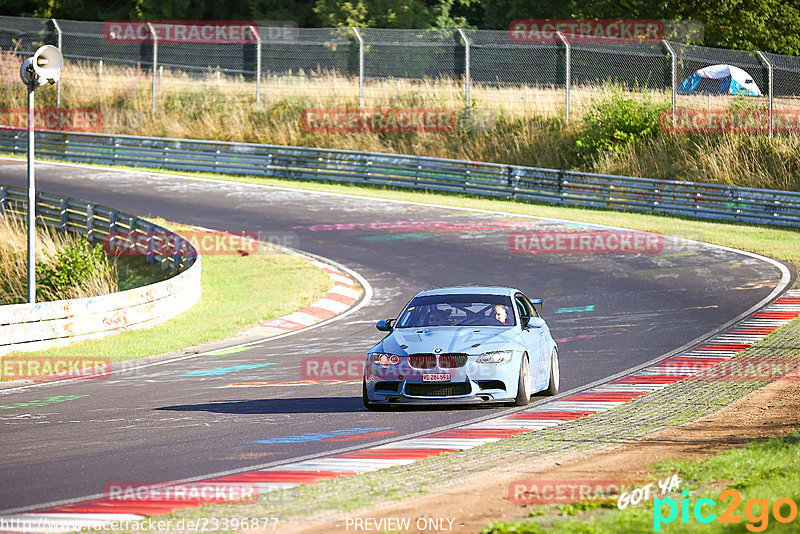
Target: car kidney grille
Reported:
point(422, 361)
point(451, 361)
point(438, 390)
point(428, 361)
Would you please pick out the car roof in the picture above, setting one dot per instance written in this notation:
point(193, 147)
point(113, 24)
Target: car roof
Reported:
point(471, 290)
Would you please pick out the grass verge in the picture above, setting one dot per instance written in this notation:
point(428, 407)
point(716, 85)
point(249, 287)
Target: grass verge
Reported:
point(237, 291)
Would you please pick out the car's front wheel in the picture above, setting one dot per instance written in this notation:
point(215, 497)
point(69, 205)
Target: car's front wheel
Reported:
point(369, 405)
point(555, 375)
point(524, 383)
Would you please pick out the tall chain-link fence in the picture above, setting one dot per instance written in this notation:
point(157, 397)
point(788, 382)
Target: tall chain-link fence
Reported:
point(369, 67)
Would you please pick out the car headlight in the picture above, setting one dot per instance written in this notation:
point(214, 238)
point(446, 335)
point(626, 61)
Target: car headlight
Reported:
point(384, 358)
point(497, 356)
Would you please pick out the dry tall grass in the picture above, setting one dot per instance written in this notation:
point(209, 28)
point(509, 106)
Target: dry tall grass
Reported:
point(49, 246)
point(517, 125)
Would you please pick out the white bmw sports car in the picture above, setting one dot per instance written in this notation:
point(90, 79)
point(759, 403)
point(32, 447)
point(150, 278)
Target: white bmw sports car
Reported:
point(462, 345)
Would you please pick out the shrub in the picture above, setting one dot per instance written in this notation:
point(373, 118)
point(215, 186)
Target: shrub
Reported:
point(615, 121)
point(67, 266)
point(76, 267)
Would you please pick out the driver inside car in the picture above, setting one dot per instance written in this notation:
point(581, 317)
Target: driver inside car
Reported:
point(500, 314)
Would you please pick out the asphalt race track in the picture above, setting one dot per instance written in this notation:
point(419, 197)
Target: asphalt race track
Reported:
point(177, 421)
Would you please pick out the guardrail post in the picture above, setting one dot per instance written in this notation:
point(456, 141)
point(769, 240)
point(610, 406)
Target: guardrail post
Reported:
point(63, 213)
point(673, 79)
point(466, 72)
point(112, 230)
point(90, 222)
point(150, 255)
point(770, 80)
point(58, 84)
point(360, 68)
point(567, 70)
point(155, 64)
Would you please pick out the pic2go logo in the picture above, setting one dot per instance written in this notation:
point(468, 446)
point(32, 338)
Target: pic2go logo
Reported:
point(756, 511)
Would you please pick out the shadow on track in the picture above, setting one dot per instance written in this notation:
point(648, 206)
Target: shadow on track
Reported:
point(302, 405)
point(275, 406)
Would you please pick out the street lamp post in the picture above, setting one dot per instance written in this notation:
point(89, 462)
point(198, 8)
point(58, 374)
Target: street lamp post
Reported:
point(44, 66)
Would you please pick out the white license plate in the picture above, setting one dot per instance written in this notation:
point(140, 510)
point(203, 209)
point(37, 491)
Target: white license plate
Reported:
point(436, 378)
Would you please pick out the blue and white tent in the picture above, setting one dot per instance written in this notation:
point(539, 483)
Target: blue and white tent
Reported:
point(720, 79)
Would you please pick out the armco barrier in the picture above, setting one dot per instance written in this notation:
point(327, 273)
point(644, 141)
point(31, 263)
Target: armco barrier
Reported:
point(710, 201)
point(44, 324)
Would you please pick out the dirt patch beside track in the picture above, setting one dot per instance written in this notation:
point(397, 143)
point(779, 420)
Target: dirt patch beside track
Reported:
point(772, 411)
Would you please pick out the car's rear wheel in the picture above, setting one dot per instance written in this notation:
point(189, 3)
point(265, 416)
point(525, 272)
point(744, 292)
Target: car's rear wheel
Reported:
point(555, 375)
point(524, 383)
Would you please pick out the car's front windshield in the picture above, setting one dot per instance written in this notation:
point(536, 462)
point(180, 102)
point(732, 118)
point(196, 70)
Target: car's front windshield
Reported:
point(457, 310)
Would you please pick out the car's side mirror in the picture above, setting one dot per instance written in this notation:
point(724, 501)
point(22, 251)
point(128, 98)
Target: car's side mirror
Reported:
point(532, 322)
point(385, 325)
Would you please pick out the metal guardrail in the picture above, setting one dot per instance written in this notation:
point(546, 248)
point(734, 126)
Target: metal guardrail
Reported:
point(44, 324)
point(96, 222)
point(710, 201)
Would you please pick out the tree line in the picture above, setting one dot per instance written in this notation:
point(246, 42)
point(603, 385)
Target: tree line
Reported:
point(768, 25)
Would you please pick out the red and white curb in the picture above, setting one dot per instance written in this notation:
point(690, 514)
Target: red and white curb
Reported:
point(99, 512)
point(341, 297)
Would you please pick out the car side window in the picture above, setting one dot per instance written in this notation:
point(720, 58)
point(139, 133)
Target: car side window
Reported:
point(521, 307)
point(524, 304)
point(534, 313)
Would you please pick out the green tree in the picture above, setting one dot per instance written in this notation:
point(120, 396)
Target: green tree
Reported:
point(422, 14)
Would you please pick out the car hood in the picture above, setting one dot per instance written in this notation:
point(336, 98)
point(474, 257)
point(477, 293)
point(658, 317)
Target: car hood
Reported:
point(471, 340)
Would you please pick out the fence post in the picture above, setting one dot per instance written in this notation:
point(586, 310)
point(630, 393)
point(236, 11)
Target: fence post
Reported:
point(360, 68)
point(258, 63)
point(58, 84)
point(673, 79)
point(466, 73)
point(155, 64)
point(770, 81)
point(567, 69)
